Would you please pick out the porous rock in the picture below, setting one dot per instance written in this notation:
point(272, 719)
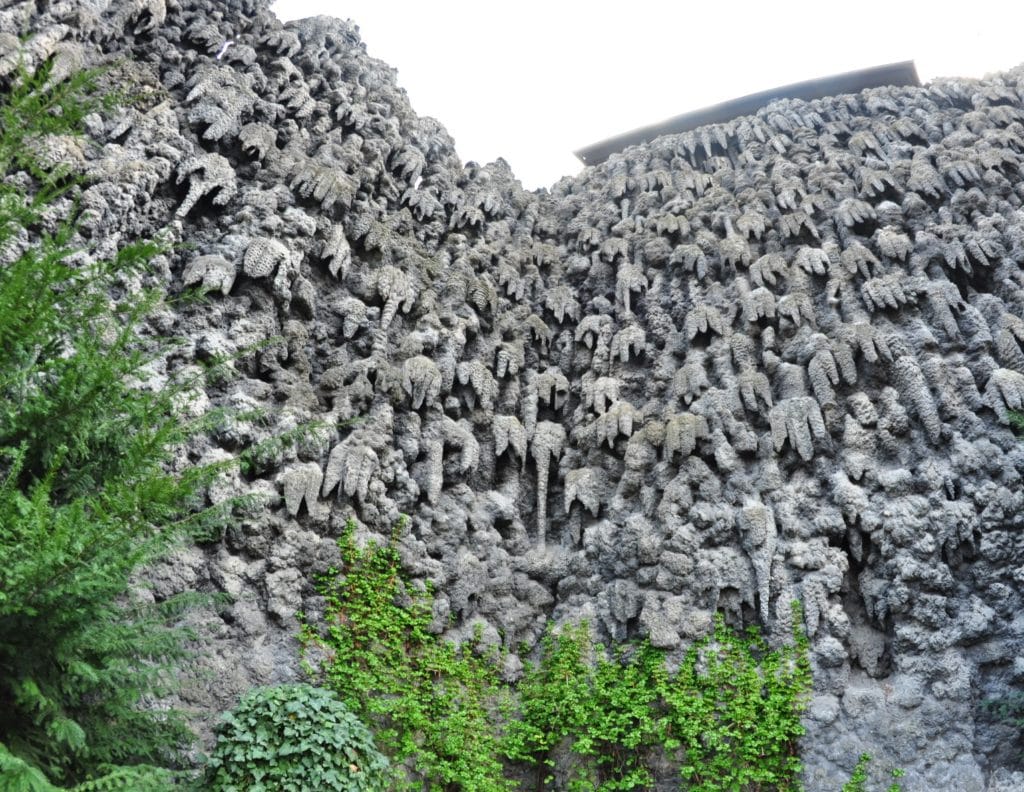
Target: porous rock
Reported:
point(766, 360)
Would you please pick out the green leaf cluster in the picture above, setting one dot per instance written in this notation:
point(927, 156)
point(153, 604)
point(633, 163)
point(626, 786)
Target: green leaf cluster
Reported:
point(733, 710)
point(294, 738)
point(602, 709)
point(585, 718)
point(88, 489)
point(1008, 708)
point(729, 715)
point(859, 778)
point(431, 704)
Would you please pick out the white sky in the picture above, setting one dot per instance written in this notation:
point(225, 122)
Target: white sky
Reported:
point(532, 80)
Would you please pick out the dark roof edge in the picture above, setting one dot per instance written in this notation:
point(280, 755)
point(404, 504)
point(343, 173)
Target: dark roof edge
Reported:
point(902, 73)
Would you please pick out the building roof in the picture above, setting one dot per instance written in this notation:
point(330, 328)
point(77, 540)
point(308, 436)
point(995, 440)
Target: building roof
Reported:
point(902, 73)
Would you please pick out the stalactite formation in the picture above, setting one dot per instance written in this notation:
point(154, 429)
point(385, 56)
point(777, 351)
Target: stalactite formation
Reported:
point(768, 359)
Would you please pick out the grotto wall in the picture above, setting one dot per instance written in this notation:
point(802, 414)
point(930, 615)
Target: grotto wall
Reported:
point(764, 360)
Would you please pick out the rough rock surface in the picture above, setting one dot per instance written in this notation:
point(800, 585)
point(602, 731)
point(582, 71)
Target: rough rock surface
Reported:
point(764, 360)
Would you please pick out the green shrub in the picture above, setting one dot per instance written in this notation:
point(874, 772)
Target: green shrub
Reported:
point(17, 775)
point(430, 704)
point(86, 491)
point(294, 737)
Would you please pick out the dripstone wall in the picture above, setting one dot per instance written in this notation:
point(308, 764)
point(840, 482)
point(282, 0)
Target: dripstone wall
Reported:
point(764, 360)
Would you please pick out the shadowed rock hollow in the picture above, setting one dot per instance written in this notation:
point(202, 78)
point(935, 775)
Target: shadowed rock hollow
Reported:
point(763, 360)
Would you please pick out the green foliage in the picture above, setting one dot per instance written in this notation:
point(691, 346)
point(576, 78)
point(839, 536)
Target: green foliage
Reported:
point(623, 718)
point(87, 493)
point(1008, 708)
point(859, 777)
point(604, 709)
point(17, 775)
point(429, 702)
point(730, 715)
point(554, 698)
point(294, 737)
point(734, 709)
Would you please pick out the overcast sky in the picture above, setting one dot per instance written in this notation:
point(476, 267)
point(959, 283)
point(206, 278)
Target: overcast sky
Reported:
point(532, 80)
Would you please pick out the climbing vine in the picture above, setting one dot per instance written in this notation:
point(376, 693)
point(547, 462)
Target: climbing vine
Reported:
point(733, 710)
point(859, 778)
point(581, 717)
point(604, 708)
point(432, 705)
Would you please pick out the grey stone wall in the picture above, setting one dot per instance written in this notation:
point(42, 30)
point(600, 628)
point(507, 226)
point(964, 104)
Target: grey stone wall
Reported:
point(764, 360)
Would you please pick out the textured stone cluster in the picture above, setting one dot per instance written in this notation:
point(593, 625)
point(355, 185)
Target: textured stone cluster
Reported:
point(763, 360)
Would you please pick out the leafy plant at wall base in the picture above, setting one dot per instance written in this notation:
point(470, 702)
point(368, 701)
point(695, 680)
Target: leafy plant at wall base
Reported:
point(585, 718)
point(730, 714)
point(733, 711)
point(624, 720)
point(431, 704)
point(294, 738)
point(553, 698)
point(87, 494)
point(605, 709)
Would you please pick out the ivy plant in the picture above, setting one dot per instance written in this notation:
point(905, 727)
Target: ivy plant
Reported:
point(602, 708)
point(859, 778)
point(734, 708)
point(582, 717)
point(432, 705)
